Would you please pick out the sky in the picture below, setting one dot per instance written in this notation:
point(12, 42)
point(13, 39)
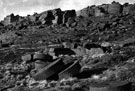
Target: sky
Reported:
point(25, 7)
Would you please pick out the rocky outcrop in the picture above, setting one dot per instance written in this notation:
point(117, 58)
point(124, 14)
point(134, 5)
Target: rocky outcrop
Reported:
point(86, 12)
point(68, 14)
point(11, 19)
point(97, 46)
point(115, 8)
point(128, 8)
point(46, 17)
point(58, 16)
point(99, 12)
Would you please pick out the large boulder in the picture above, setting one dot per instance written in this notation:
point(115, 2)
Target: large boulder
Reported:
point(111, 86)
point(33, 18)
point(128, 9)
point(63, 51)
point(51, 16)
point(68, 14)
point(57, 16)
point(27, 57)
point(43, 57)
point(46, 17)
point(105, 7)
point(86, 12)
point(70, 71)
point(50, 70)
point(99, 11)
point(115, 8)
point(11, 19)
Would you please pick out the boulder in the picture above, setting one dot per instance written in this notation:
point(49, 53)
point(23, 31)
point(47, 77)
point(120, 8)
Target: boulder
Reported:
point(27, 57)
point(42, 56)
point(11, 19)
point(105, 7)
point(99, 12)
point(51, 16)
point(40, 64)
point(86, 12)
point(1, 24)
point(115, 8)
point(57, 16)
point(80, 51)
point(95, 52)
point(68, 14)
point(70, 71)
point(46, 17)
point(63, 51)
point(126, 8)
point(127, 42)
point(129, 9)
point(71, 22)
point(50, 70)
point(32, 18)
point(91, 45)
point(111, 86)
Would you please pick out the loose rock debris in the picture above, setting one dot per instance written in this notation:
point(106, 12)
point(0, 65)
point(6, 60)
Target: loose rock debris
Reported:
point(87, 50)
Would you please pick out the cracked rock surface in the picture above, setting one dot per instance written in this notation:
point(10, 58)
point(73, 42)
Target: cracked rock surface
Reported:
point(88, 50)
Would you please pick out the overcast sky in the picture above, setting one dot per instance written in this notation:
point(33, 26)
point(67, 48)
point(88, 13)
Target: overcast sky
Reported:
point(24, 7)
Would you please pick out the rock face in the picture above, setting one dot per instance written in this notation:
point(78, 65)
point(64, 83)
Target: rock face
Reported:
point(55, 16)
point(68, 14)
point(97, 46)
point(58, 16)
point(11, 19)
point(99, 12)
point(46, 17)
point(86, 12)
point(115, 8)
point(128, 8)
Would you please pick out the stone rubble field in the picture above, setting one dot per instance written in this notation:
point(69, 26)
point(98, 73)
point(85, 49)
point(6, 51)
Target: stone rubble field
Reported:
point(88, 50)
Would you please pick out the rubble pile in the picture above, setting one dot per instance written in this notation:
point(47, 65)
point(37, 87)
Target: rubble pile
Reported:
point(88, 50)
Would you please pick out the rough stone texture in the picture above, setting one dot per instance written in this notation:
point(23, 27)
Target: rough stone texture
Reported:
point(115, 8)
point(114, 86)
point(128, 8)
point(99, 12)
point(71, 71)
point(67, 14)
point(10, 19)
point(109, 37)
point(27, 57)
point(58, 16)
point(49, 70)
point(86, 12)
